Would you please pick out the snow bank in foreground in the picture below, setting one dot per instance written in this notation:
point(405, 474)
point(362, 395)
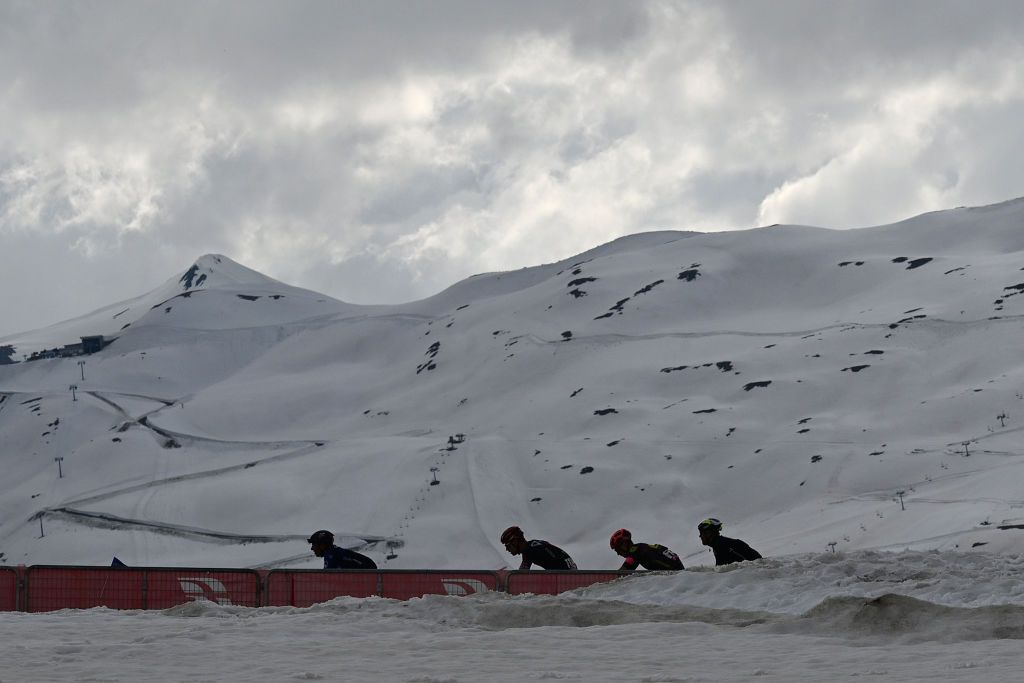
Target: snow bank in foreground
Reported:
point(871, 614)
point(795, 584)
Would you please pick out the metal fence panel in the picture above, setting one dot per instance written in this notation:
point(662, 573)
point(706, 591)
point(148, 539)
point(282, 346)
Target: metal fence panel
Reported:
point(169, 587)
point(554, 582)
point(52, 588)
point(8, 589)
point(403, 585)
point(305, 587)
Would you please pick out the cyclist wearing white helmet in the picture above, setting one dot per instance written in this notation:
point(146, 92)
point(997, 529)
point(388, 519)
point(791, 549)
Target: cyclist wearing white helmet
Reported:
point(727, 550)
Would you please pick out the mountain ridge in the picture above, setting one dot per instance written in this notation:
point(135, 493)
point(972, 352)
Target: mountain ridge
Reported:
point(789, 380)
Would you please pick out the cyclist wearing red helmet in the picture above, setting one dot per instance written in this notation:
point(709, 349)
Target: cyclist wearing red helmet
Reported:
point(535, 552)
point(650, 556)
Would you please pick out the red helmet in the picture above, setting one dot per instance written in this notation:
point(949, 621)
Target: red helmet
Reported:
point(511, 533)
point(620, 536)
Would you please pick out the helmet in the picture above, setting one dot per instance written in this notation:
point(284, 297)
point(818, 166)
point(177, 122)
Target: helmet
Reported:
point(710, 524)
point(511, 533)
point(322, 536)
point(620, 536)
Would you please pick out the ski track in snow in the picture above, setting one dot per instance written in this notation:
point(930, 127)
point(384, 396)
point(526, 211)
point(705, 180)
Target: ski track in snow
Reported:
point(102, 520)
point(618, 337)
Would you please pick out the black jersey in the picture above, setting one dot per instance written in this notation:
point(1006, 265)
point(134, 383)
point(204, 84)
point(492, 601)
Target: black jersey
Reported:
point(543, 554)
point(729, 550)
point(650, 556)
point(340, 558)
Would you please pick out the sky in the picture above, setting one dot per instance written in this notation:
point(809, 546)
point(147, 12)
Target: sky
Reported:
point(379, 152)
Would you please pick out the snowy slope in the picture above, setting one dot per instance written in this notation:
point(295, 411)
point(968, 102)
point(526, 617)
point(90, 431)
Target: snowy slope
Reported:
point(789, 380)
point(205, 296)
point(881, 616)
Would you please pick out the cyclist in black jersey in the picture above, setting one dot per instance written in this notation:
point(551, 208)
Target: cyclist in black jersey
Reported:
point(535, 552)
point(322, 543)
point(650, 556)
point(727, 550)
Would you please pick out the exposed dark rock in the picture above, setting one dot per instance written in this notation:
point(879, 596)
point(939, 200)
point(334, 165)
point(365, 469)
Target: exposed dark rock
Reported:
point(918, 262)
point(754, 385)
point(587, 470)
point(709, 410)
point(189, 276)
point(581, 281)
point(567, 335)
point(647, 288)
point(431, 354)
point(689, 275)
point(856, 368)
point(606, 411)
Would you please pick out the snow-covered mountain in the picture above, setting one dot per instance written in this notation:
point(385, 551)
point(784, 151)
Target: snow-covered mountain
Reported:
point(789, 380)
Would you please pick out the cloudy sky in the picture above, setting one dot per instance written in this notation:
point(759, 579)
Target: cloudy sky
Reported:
point(380, 151)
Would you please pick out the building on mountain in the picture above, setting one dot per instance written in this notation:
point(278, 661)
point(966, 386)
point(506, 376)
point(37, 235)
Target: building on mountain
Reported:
point(89, 344)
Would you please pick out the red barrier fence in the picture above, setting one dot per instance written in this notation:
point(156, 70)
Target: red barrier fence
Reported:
point(406, 584)
point(8, 589)
point(46, 587)
point(52, 587)
point(552, 583)
point(305, 587)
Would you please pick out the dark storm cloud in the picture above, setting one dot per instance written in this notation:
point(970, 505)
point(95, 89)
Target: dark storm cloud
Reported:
point(379, 151)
